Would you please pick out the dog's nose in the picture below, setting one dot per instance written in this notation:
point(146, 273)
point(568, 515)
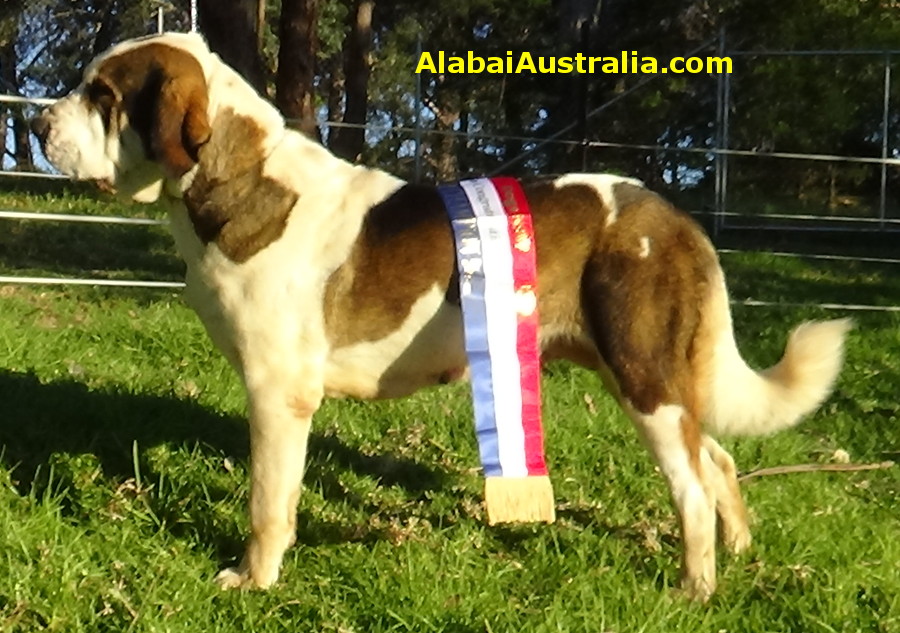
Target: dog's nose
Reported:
point(40, 126)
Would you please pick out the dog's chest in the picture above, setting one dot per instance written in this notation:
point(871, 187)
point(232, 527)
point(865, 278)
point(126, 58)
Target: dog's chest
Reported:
point(254, 311)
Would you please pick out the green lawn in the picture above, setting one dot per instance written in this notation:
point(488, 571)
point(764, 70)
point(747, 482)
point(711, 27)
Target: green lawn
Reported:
point(124, 460)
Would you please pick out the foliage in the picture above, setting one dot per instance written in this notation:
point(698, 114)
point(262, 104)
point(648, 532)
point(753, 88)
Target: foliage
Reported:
point(57, 38)
point(474, 124)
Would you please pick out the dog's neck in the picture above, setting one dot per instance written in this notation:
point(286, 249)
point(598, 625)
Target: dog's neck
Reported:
point(254, 173)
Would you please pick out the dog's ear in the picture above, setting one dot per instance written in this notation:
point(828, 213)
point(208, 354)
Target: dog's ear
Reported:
point(104, 96)
point(163, 92)
point(180, 125)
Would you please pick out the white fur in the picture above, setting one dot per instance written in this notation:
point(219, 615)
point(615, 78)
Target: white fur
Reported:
point(230, 297)
point(77, 143)
point(644, 253)
point(604, 184)
point(78, 146)
point(747, 402)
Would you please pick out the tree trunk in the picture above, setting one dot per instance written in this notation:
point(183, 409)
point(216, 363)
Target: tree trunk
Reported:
point(3, 151)
point(576, 33)
point(9, 19)
point(230, 27)
point(22, 144)
point(334, 93)
point(7, 68)
point(444, 150)
point(105, 35)
point(463, 147)
point(260, 24)
point(21, 152)
point(297, 64)
point(349, 141)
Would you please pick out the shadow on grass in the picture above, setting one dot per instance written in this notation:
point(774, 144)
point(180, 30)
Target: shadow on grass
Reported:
point(40, 420)
point(807, 281)
point(145, 252)
point(873, 435)
point(79, 249)
point(328, 453)
point(43, 419)
point(650, 554)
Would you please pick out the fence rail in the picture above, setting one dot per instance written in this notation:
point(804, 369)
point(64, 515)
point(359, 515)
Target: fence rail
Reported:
point(71, 217)
point(17, 100)
point(73, 281)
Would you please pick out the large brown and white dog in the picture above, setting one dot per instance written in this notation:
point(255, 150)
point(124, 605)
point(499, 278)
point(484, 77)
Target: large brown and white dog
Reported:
point(316, 277)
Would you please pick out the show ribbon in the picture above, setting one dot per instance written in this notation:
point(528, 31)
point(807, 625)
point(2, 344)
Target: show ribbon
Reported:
point(495, 254)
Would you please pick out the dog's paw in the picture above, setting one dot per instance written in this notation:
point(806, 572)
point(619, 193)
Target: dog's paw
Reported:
point(737, 541)
point(233, 578)
point(242, 578)
point(698, 589)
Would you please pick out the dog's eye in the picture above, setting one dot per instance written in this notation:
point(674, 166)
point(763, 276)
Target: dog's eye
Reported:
point(101, 95)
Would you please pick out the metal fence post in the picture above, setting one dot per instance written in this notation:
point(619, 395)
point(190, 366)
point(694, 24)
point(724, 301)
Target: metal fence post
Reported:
point(726, 142)
point(418, 115)
point(721, 107)
point(885, 129)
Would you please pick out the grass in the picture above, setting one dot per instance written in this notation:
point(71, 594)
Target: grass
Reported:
point(123, 480)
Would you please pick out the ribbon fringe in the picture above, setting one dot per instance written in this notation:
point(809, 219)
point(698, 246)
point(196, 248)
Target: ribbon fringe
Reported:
point(519, 499)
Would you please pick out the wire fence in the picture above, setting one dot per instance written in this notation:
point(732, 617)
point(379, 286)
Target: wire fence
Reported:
point(718, 155)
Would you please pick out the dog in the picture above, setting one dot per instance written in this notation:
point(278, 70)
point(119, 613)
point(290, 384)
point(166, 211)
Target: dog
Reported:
point(319, 278)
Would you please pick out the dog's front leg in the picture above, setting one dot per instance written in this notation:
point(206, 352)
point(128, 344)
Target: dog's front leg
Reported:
point(280, 418)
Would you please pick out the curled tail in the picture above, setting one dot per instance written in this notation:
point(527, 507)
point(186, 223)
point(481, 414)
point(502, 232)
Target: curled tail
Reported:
point(746, 402)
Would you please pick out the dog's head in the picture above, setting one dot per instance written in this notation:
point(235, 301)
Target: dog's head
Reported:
point(139, 116)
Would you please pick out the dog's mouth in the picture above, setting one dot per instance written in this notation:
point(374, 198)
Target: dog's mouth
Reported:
point(105, 185)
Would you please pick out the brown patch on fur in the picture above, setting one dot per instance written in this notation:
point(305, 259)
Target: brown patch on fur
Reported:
point(644, 313)
point(405, 247)
point(302, 408)
point(702, 353)
point(691, 438)
point(163, 92)
point(568, 222)
point(230, 202)
point(452, 375)
point(578, 352)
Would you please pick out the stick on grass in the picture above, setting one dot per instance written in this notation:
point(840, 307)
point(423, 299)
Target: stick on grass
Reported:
point(808, 468)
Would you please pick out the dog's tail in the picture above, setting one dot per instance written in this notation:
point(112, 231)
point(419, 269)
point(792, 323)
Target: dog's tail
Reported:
point(742, 401)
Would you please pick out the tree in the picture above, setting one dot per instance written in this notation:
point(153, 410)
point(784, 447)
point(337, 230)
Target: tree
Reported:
point(57, 38)
point(9, 83)
point(348, 141)
point(232, 29)
point(353, 61)
point(295, 81)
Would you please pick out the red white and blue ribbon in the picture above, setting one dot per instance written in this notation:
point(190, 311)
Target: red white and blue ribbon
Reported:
point(498, 281)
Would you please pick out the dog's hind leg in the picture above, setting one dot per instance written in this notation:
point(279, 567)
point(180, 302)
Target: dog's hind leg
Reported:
point(669, 433)
point(730, 506)
point(644, 321)
point(279, 430)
